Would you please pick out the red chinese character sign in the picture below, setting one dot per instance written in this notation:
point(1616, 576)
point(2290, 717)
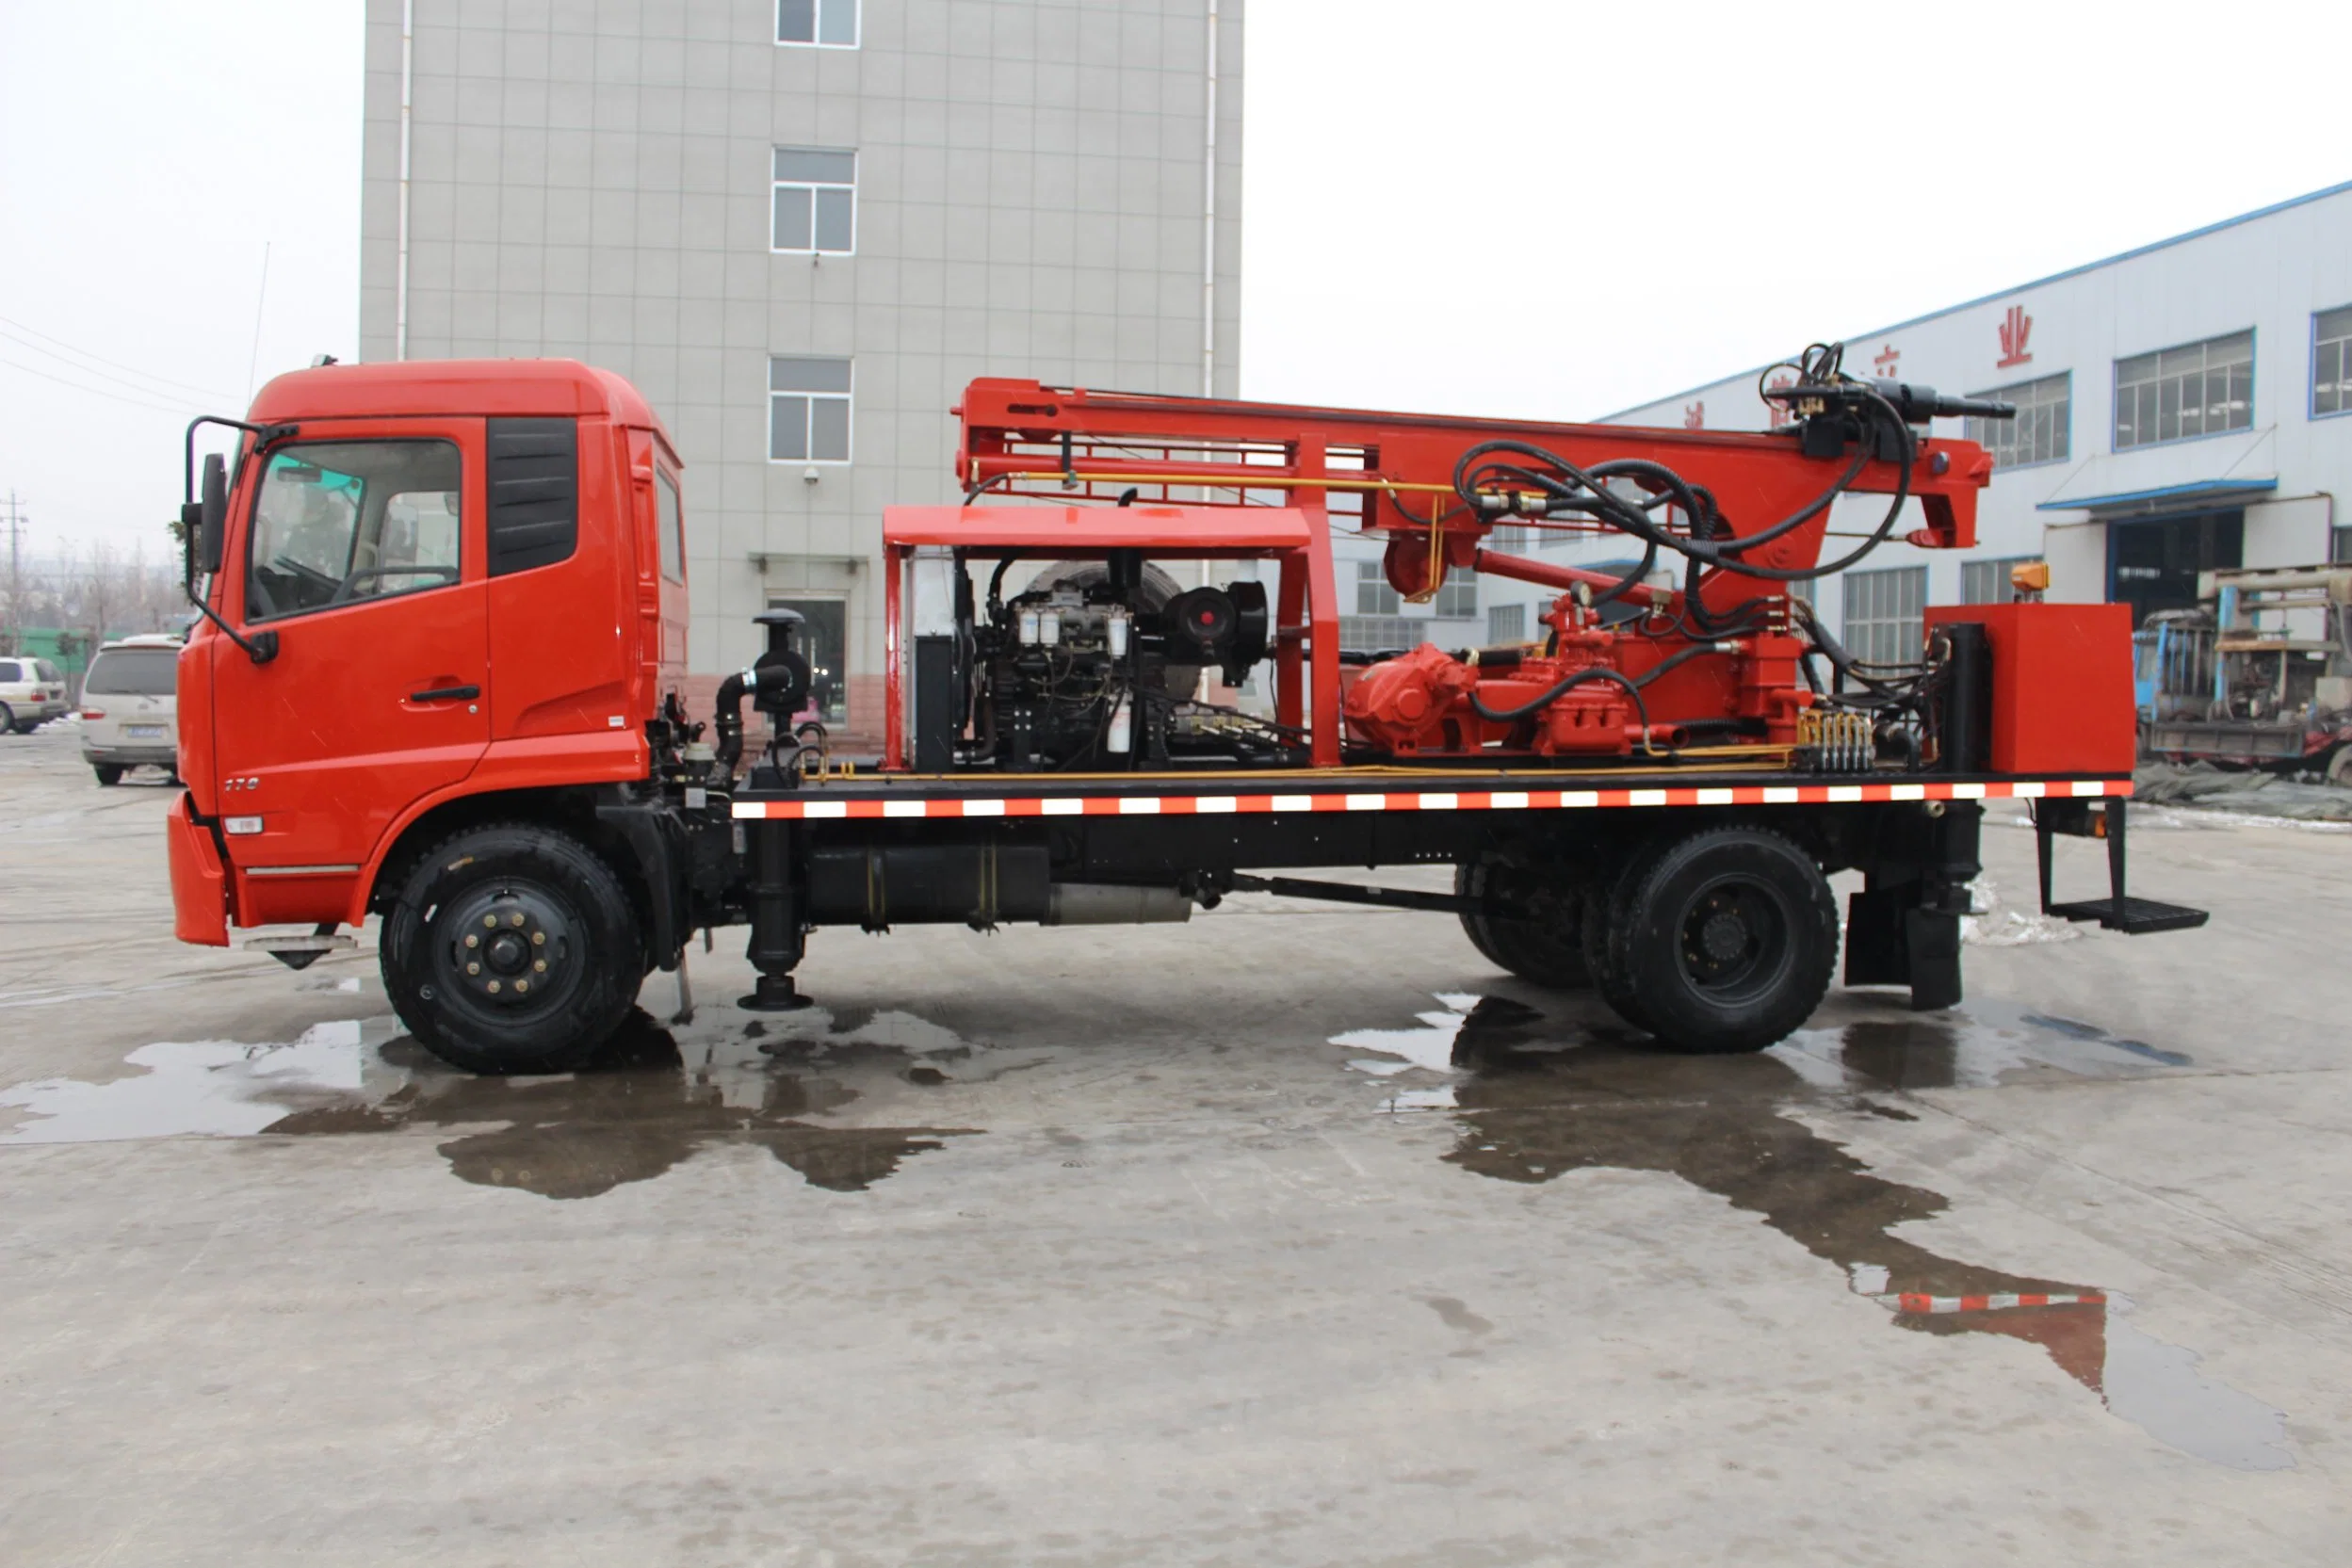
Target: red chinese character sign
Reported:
point(1694, 416)
point(2015, 329)
point(1885, 361)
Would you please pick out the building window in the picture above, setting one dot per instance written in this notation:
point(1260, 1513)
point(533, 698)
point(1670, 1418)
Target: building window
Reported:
point(1987, 582)
point(1369, 633)
point(2331, 362)
point(2038, 433)
point(827, 23)
point(1457, 596)
point(1511, 537)
point(1506, 625)
point(1885, 614)
point(808, 410)
point(1373, 596)
point(815, 201)
point(824, 639)
point(2198, 389)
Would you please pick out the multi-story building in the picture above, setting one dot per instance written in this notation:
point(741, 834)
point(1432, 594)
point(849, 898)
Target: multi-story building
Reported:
point(800, 227)
point(2181, 406)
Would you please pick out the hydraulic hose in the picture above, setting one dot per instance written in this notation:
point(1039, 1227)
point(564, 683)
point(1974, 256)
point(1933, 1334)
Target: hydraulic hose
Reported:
point(728, 748)
point(1566, 683)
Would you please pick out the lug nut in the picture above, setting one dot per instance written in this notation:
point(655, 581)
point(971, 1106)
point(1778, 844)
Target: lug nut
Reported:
point(514, 919)
point(521, 985)
point(494, 987)
point(538, 966)
point(539, 939)
point(490, 922)
point(473, 968)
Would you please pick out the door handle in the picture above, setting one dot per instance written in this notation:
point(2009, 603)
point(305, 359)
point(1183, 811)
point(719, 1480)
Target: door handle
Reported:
point(446, 694)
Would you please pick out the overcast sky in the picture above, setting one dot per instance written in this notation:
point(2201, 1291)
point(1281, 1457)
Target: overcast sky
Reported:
point(1528, 207)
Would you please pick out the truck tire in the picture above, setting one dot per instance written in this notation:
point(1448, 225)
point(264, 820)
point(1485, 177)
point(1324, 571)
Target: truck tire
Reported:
point(1722, 941)
point(1604, 918)
point(1547, 951)
point(512, 948)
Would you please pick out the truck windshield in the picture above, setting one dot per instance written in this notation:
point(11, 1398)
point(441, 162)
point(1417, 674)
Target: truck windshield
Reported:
point(342, 522)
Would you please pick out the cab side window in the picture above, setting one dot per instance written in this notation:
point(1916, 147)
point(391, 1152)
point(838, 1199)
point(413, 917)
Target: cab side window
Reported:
point(350, 522)
point(671, 522)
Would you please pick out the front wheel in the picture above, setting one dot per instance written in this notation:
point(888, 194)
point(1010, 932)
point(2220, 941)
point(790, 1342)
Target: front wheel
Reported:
point(512, 949)
point(1722, 941)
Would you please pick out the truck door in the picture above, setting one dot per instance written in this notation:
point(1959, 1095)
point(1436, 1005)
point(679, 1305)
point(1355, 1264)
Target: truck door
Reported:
point(361, 547)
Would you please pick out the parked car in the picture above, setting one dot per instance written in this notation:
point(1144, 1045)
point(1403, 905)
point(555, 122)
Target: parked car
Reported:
point(130, 712)
point(32, 692)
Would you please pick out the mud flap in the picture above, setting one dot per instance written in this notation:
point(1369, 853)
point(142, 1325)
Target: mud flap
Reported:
point(1903, 928)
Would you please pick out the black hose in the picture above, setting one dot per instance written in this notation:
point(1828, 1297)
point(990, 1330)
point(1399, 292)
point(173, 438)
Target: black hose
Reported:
point(1567, 683)
point(728, 748)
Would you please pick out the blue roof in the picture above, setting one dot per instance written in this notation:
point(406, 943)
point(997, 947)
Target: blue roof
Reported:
point(2195, 489)
point(2274, 208)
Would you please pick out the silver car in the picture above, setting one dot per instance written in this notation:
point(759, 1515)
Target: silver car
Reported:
point(130, 708)
point(32, 692)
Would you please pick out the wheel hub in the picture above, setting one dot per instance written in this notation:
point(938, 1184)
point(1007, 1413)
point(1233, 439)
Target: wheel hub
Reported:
point(507, 946)
point(1722, 936)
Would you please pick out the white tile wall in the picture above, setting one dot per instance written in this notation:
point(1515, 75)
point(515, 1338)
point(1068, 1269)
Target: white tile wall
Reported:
point(590, 178)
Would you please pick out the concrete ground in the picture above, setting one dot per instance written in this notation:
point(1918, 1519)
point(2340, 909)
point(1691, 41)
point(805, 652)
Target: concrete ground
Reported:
point(1299, 1236)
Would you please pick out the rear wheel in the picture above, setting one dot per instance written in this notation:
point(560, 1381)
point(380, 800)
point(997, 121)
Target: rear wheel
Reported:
point(7, 720)
point(109, 772)
point(512, 949)
point(1545, 949)
point(1722, 941)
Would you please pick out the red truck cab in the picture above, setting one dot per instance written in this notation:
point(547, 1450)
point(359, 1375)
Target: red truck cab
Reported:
point(469, 580)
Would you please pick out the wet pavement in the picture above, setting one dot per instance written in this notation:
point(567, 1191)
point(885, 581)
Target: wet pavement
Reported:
point(1290, 1237)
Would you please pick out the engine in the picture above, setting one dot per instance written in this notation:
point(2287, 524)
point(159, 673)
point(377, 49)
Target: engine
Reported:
point(1096, 668)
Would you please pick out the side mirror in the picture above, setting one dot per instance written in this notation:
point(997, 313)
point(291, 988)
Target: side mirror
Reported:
point(212, 515)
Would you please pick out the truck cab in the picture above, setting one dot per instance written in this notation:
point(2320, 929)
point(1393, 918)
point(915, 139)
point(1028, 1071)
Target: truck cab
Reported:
point(433, 593)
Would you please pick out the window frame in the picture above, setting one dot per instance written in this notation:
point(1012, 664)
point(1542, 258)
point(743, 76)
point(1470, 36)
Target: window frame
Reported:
point(2344, 371)
point(1459, 581)
point(671, 529)
point(1850, 581)
point(777, 186)
point(1386, 600)
point(2253, 384)
point(817, 18)
point(2010, 595)
point(252, 529)
point(2066, 434)
point(848, 398)
point(1496, 636)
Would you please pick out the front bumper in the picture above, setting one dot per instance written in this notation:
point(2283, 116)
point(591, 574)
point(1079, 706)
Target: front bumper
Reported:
point(200, 885)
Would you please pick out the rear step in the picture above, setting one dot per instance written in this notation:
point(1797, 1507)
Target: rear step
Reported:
point(2137, 916)
point(2118, 911)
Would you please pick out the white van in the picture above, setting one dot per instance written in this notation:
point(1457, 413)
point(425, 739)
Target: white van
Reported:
point(130, 709)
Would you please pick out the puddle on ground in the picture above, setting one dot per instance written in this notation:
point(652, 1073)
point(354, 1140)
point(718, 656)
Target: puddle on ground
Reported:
point(1536, 1098)
point(642, 1110)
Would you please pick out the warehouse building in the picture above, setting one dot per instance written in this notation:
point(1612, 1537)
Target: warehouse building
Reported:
point(2181, 406)
point(801, 227)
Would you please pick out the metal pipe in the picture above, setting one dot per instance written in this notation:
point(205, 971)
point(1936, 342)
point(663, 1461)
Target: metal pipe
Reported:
point(1549, 574)
point(400, 273)
point(1208, 223)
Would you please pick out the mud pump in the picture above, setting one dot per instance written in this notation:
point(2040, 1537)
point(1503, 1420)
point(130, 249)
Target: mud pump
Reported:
point(440, 681)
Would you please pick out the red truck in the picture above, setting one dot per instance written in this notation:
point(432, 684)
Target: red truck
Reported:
point(438, 680)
